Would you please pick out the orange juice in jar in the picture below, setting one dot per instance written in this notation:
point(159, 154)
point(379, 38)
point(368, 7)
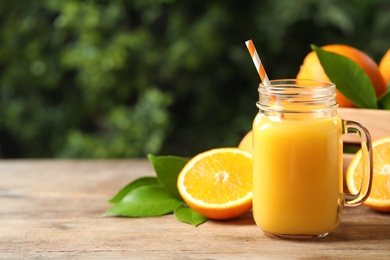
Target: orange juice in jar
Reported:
point(297, 160)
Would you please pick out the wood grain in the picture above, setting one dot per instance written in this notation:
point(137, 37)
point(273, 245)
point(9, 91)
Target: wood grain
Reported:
point(376, 121)
point(52, 209)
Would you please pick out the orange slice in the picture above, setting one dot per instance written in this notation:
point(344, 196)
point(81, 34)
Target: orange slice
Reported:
point(379, 198)
point(218, 183)
point(246, 143)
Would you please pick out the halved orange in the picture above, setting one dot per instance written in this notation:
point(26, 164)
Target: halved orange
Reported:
point(246, 143)
point(218, 183)
point(379, 198)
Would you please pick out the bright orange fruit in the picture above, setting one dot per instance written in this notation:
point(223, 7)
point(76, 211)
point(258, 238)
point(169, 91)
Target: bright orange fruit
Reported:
point(218, 183)
point(384, 66)
point(312, 69)
point(246, 143)
point(379, 198)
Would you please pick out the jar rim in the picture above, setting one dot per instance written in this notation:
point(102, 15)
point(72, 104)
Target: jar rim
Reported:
point(293, 93)
point(302, 83)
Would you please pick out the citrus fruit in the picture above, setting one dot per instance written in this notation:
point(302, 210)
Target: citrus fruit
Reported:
point(312, 69)
point(384, 66)
point(246, 143)
point(218, 183)
point(379, 198)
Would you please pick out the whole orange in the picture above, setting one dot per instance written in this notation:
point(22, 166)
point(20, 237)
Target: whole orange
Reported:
point(246, 142)
point(384, 66)
point(312, 69)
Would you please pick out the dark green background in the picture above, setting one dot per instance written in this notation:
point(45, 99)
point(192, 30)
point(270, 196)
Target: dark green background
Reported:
point(114, 79)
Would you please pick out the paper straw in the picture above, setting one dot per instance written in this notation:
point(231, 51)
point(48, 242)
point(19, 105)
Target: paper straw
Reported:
point(258, 64)
point(260, 68)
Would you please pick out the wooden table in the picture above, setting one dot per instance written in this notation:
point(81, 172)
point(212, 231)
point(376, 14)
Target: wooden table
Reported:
point(53, 208)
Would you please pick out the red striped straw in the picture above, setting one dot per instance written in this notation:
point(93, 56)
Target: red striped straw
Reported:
point(258, 64)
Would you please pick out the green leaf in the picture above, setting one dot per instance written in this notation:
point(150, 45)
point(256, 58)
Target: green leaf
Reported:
point(349, 77)
point(143, 181)
point(188, 215)
point(145, 201)
point(384, 101)
point(167, 169)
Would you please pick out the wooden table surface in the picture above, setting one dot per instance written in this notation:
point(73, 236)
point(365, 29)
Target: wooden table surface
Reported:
point(53, 208)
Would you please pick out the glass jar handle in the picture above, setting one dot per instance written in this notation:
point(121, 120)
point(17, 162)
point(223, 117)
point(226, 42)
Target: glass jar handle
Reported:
point(366, 149)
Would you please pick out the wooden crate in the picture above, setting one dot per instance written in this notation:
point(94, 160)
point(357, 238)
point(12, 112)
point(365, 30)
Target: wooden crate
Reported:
point(376, 121)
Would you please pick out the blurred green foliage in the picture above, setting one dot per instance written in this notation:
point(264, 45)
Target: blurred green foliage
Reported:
point(113, 79)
